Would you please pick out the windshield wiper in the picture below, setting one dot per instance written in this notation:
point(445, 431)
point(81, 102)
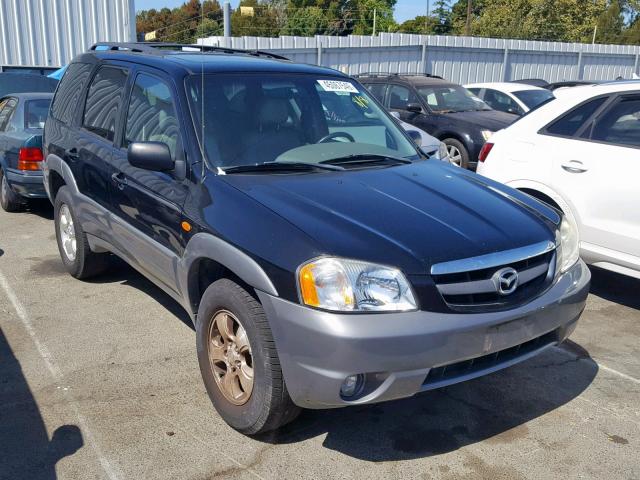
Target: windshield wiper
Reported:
point(279, 167)
point(366, 158)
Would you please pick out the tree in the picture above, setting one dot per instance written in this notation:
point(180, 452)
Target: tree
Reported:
point(183, 24)
point(384, 17)
point(305, 21)
point(610, 24)
point(422, 25)
point(442, 14)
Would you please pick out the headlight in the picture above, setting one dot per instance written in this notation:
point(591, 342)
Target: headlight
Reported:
point(568, 245)
point(350, 285)
point(486, 134)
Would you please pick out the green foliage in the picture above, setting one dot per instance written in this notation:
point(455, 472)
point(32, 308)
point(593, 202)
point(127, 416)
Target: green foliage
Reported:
point(421, 24)
point(615, 21)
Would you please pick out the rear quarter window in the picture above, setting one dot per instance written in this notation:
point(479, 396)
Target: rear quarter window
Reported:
point(70, 91)
point(569, 124)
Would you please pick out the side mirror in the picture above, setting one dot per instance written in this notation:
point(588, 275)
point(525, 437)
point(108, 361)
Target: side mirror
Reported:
point(415, 136)
point(414, 107)
point(154, 156)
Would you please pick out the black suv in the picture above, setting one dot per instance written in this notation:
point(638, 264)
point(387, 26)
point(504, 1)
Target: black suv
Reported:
point(324, 260)
point(443, 109)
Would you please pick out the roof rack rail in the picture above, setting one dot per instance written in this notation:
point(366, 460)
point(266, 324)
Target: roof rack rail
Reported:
point(396, 74)
point(157, 48)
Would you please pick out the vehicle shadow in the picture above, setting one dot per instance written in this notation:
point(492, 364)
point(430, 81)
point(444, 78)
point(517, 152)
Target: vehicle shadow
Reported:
point(40, 207)
point(121, 272)
point(495, 407)
point(615, 287)
point(25, 448)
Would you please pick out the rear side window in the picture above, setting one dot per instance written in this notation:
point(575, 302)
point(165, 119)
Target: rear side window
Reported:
point(69, 91)
point(6, 111)
point(36, 113)
point(104, 100)
point(152, 114)
point(620, 125)
point(569, 124)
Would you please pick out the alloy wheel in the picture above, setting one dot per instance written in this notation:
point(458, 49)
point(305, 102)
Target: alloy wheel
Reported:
point(67, 232)
point(4, 188)
point(455, 156)
point(230, 357)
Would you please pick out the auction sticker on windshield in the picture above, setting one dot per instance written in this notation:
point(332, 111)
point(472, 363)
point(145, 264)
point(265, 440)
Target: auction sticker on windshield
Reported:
point(337, 86)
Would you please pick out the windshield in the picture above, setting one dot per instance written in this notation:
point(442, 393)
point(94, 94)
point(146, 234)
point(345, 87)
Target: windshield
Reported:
point(451, 98)
point(256, 119)
point(534, 98)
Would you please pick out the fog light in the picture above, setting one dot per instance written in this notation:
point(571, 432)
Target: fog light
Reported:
point(352, 385)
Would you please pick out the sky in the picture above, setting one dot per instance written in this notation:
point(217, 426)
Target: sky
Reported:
point(405, 9)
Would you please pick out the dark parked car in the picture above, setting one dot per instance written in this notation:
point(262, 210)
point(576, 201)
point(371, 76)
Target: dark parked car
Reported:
point(324, 260)
point(16, 82)
point(443, 109)
point(22, 118)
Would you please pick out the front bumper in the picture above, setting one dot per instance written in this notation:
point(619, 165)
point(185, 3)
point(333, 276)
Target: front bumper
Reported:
point(397, 351)
point(26, 184)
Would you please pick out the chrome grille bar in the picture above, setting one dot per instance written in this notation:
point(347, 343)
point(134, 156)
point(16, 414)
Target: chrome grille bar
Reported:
point(487, 285)
point(495, 259)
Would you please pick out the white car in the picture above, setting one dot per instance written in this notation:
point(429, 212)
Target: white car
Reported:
point(516, 98)
point(581, 154)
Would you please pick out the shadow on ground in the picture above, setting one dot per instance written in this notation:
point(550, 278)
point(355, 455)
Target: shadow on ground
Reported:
point(26, 450)
point(615, 287)
point(40, 207)
point(120, 272)
point(495, 407)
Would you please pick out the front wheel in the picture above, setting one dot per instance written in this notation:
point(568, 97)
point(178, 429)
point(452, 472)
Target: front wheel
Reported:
point(239, 362)
point(458, 154)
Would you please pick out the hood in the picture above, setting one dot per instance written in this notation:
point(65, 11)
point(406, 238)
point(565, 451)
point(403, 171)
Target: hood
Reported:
point(409, 216)
point(489, 119)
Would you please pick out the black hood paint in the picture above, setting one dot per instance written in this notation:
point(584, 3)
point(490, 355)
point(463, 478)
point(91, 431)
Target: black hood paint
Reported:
point(409, 216)
point(485, 119)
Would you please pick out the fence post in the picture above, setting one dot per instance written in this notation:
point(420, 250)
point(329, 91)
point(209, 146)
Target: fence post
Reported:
point(319, 59)
point(580, 64)
point(635, 67)
point(423, 58)
point(505, 65)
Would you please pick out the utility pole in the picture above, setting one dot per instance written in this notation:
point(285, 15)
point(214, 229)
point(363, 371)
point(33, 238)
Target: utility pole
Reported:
point(595, 32)
point(226, 18)
point(374, 22)
point(467, 27)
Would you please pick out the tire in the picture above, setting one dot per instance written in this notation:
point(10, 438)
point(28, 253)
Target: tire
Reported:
point(264, 406)
point(9, 200)
point(457, 147)
point(84, 263)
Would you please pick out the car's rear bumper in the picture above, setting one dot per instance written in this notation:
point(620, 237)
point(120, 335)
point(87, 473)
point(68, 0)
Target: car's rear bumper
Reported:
point(402, 353)
point(26, 184)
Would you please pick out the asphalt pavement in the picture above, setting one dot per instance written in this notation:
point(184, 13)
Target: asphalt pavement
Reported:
point(99, 380)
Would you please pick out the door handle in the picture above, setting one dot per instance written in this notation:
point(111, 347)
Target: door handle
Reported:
point(72, 154)
point(119, 180)
point(574, 166)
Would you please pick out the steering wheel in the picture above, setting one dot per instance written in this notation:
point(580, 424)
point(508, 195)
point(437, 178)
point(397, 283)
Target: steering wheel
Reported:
point(333, 135)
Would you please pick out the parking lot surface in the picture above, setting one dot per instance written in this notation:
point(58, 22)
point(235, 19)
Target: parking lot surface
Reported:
point(99, 379)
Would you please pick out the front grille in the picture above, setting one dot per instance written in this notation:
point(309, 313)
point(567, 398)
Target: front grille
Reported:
point(473, 284)
point(448, 374)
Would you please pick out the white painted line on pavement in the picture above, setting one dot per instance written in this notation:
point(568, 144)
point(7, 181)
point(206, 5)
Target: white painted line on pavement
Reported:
point(56, 374)
point(602, 366)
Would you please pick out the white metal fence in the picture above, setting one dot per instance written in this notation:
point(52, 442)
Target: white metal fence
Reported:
point(459, 59)
point(49, 33)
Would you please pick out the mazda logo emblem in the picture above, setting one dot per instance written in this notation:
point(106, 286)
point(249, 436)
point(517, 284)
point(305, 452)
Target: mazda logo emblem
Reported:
point(505, 280)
